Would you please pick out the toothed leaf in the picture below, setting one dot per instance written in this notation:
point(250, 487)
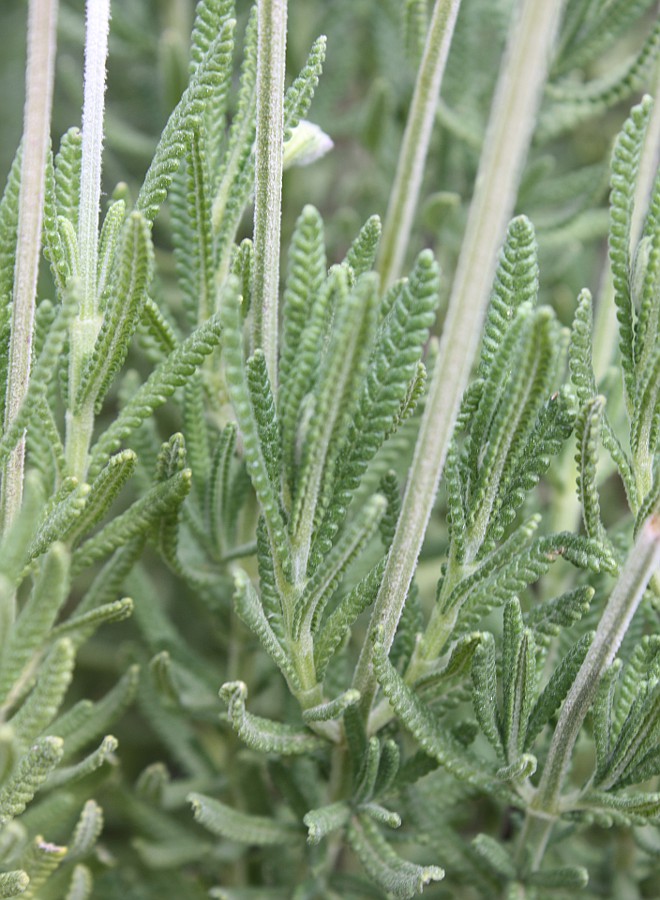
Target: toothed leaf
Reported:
point(400, 878)
point(161, 384)
point(238, 826)
point(555, 691)
point(33, 769)
point(323, 821)
point(625, 166)
point(262, 734)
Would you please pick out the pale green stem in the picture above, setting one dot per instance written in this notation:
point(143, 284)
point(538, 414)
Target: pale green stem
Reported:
point(544, 809)
point(532, 843)
point(96, 51)
point(85, 328)
point(513, 115)
point(269, 149)
point(40, 71)
point(416, 139)
point(642, 562)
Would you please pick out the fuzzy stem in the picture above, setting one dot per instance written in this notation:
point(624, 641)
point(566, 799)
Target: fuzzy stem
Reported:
point(271, 52)
point(85, 328)
point(512, 119)
point(41, 46)
point(416, 140)
point(642, 562)
point(96, 51)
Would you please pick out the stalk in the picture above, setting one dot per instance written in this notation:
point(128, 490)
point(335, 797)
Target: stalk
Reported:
point(85, 328)
point(512, 119)
point(541, 815)
point(416, 140)
point(271, 53)
point(39, 77)
point(640, 566)
point(96, 51)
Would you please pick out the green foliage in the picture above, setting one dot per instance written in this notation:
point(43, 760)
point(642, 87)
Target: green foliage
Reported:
point(251, 495)
point(227, 822)
point(625, 165)
point(209, 76)
point(396, 876)
point(128, 283)
point(157, 389)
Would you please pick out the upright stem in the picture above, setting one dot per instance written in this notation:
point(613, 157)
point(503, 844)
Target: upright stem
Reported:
point(85, 328)
point(271, 53)
point(416, 140)
point(42, 40)
point(640, 566)
point(96, 51)
point(513, 115)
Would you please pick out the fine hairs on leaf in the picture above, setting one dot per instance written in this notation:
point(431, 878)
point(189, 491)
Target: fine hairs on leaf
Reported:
point(329, 450)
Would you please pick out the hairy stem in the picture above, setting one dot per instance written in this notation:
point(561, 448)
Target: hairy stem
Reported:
point(85, 328)
point(42, 42)
point(271, 51)
point(640, 566)
point(515, 105)
point(416, 140)
point(96, 51)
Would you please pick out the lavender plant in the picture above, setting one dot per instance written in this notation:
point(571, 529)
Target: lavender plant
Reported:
point(393, 599)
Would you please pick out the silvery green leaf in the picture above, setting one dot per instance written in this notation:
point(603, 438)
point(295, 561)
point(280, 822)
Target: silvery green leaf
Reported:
point(263, 734)
point(81, 884)
point(395, 875)
point(323, 821)
point(226, 822)
point(32, 771)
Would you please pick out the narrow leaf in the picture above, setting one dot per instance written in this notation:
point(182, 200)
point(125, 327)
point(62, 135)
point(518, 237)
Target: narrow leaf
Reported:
point(625, 165)
point(33, 769)
point(126, 294)
point(161, 384)
point(238, 826)
point(323, 821)
point(262, 734)
point(400, 878)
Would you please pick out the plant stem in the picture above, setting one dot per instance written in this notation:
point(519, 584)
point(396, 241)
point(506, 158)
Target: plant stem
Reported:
point(642, 562)
point(512, 119)
point(40, 72)
point(85, 328)
point(416, 140)
point(96, 51)
point(271, 52)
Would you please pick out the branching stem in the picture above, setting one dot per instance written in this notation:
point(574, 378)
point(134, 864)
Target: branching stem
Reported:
point(515, 105)
point(271, 51)
point(42, 42)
